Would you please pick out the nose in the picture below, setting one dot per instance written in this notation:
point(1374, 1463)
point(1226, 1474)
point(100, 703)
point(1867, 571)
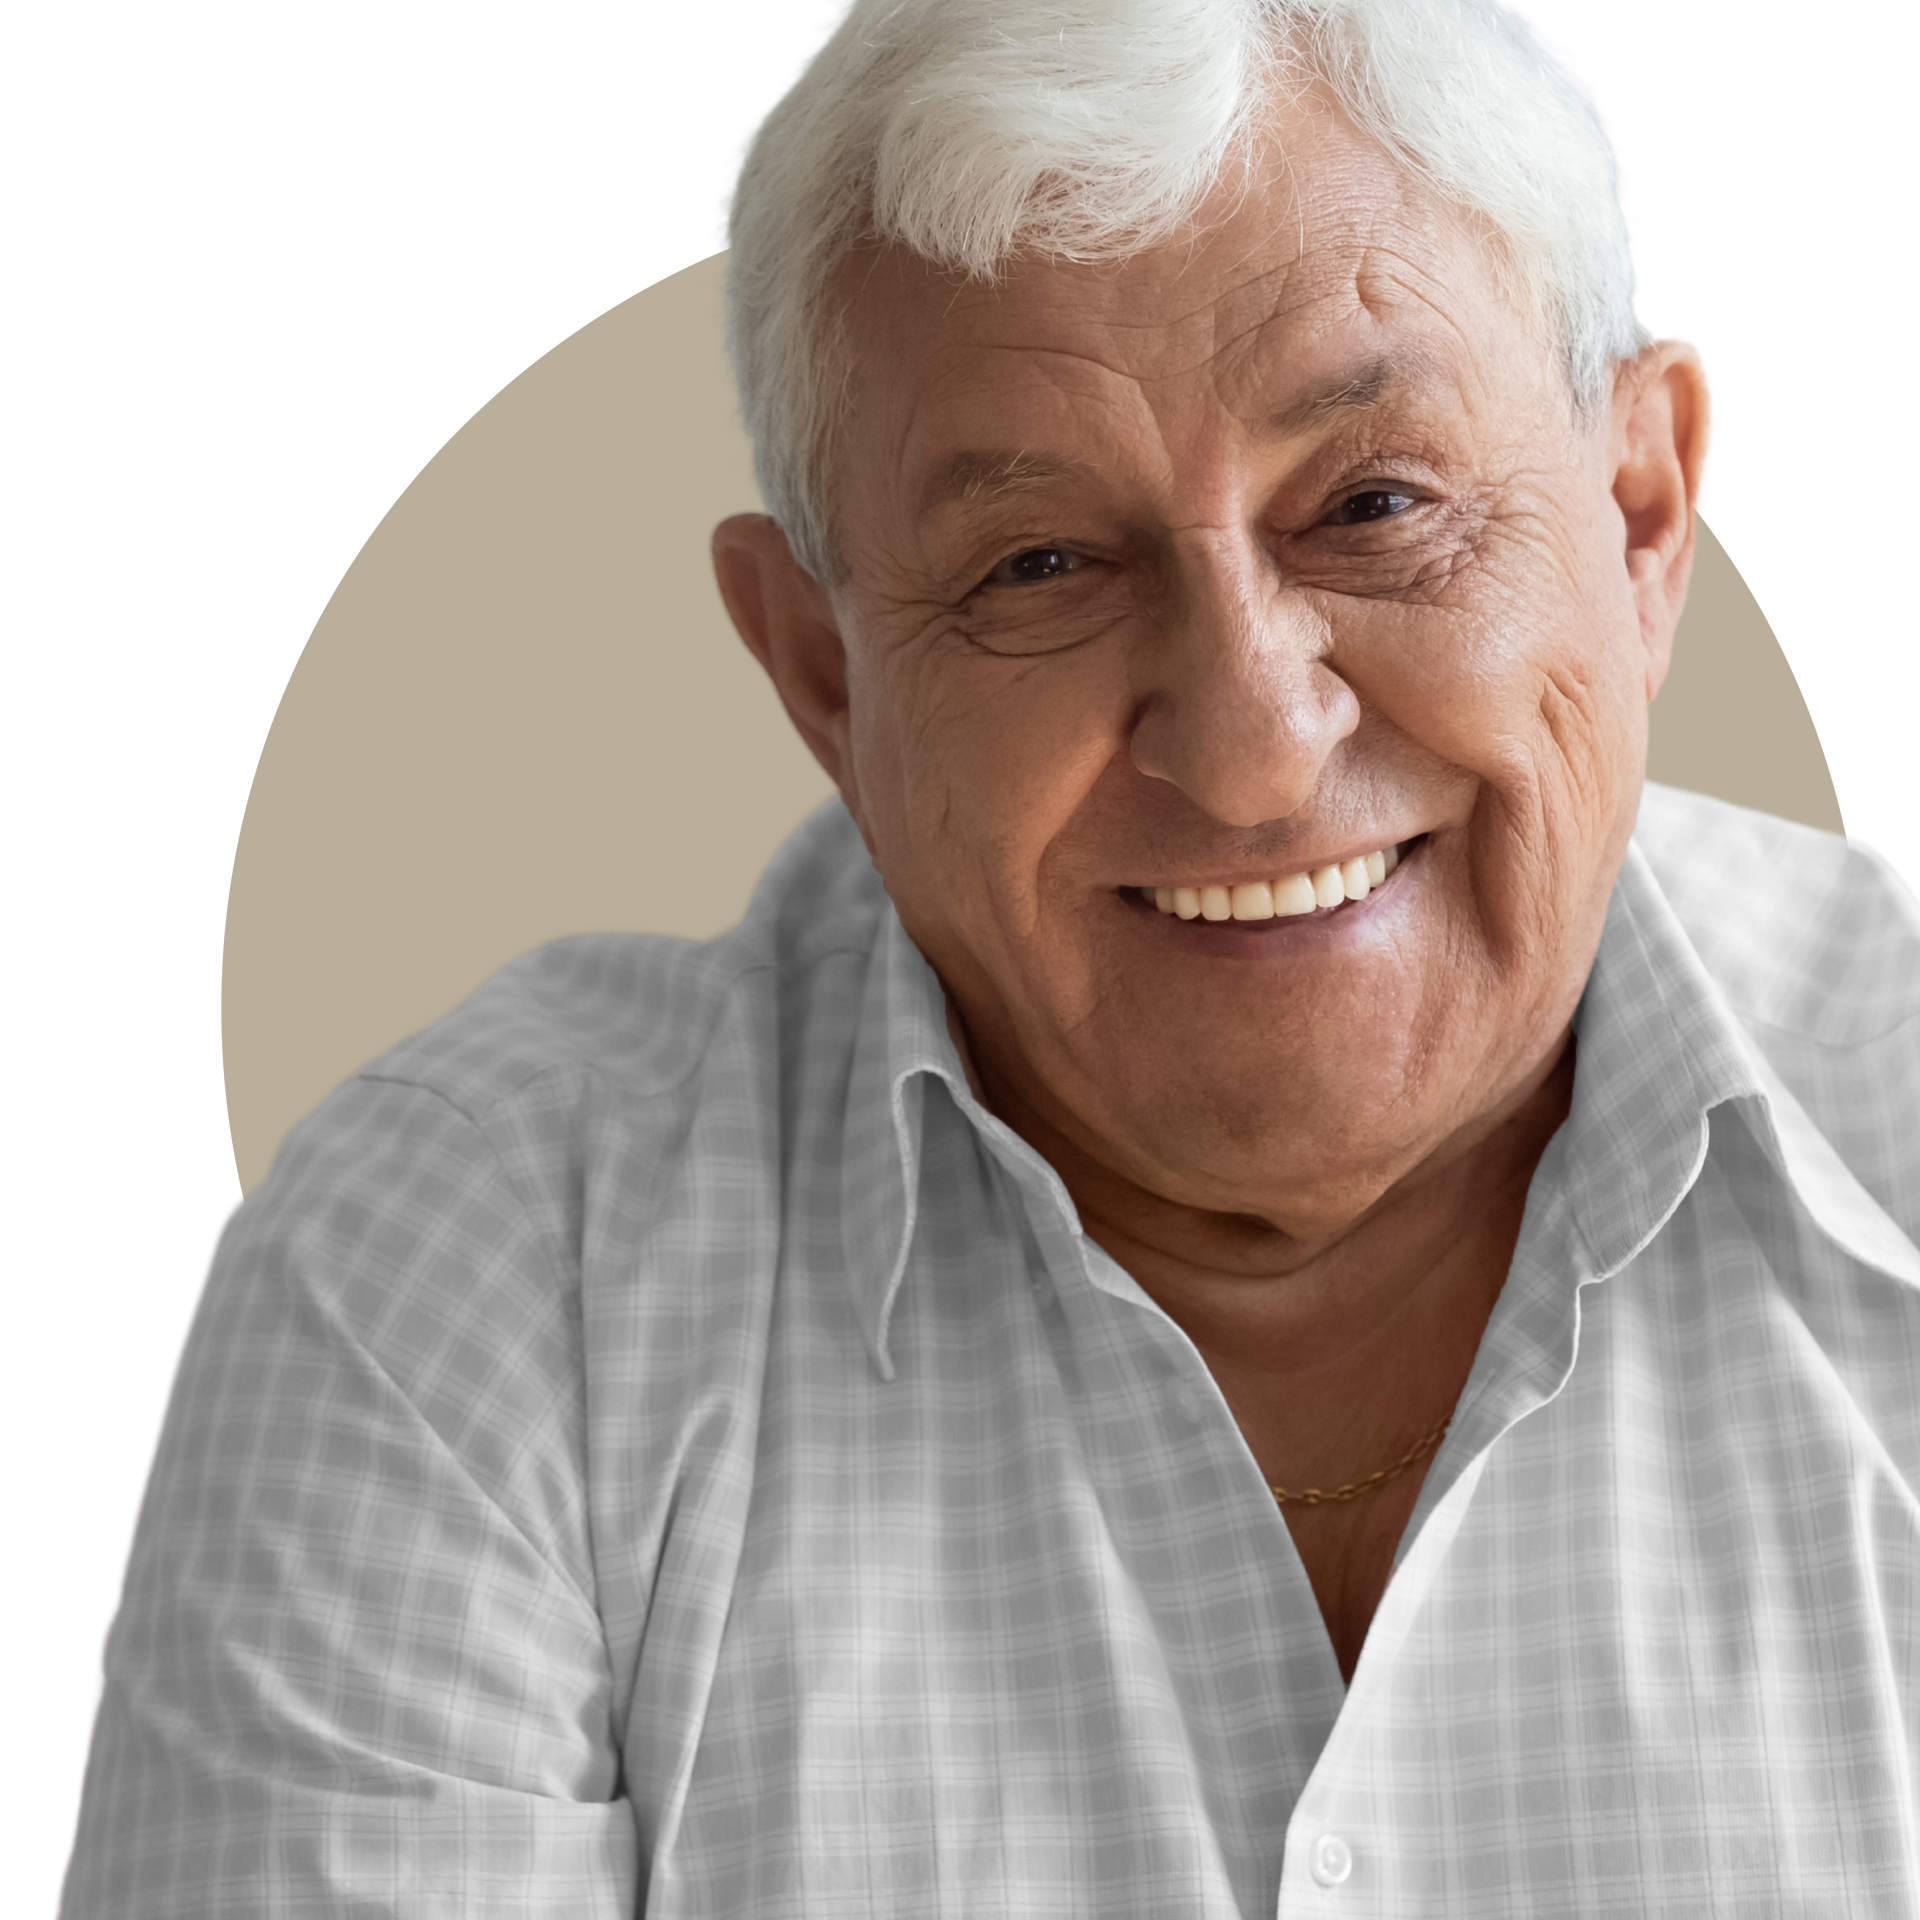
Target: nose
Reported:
point(1236, 704)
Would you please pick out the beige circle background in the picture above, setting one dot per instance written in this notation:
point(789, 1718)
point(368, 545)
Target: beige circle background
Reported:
point(524, 714)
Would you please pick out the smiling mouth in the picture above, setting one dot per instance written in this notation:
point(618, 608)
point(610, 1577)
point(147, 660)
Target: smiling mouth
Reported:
point(1318, 890)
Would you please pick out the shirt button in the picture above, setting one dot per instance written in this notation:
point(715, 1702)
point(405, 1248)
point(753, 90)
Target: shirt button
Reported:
point(1331, 1860)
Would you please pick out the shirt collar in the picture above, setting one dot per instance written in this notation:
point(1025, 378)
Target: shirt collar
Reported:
point(900, 1039)
point(1659, 1048)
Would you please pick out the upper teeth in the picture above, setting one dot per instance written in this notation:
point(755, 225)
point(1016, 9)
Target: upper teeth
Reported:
point(1297, 893)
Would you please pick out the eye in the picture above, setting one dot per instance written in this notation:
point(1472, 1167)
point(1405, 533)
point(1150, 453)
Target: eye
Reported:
point(1034, 563)
point(1372, 503)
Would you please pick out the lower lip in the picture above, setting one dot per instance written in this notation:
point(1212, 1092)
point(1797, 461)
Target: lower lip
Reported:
point(1324, 926)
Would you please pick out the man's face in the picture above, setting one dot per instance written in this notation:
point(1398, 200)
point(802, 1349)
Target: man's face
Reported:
point(1238, 561)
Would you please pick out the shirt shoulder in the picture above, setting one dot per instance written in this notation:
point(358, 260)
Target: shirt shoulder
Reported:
point(586, 1079)
point(1802, 931)
point(639, 1012)
point(461, 1196)
point(1814, 945)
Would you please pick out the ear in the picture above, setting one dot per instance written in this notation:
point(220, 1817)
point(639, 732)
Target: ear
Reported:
point(1659, 446)
point(787, 620)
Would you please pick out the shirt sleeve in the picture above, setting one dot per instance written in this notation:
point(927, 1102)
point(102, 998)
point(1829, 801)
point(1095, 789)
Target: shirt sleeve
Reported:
point(358, 1666)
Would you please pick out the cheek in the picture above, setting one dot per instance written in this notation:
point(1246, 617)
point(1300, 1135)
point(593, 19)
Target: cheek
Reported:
point(1531, 679)
point(970, 767)
point(1533, 689)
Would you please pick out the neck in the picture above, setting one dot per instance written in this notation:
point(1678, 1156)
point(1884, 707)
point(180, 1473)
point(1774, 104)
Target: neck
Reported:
point(1352, 1330)
point(957, 1033)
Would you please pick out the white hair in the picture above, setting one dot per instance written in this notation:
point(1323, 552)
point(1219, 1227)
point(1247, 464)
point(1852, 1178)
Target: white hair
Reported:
point(965, 130)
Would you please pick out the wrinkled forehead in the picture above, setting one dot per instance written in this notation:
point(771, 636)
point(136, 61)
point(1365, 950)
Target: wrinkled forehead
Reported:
point(1326, 277)
point(1166, 320)
point(1268, 331)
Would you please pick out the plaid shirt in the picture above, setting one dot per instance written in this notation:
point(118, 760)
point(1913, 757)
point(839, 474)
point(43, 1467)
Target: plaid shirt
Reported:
point(657, 1445)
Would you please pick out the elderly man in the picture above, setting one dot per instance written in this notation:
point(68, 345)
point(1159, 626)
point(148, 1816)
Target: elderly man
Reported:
point(1235, 1295)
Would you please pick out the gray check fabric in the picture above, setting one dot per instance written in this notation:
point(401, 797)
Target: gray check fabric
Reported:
point(656, 1445)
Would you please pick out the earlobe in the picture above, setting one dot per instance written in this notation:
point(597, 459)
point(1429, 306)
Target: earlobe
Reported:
point(787, 621)
point(1660, 444)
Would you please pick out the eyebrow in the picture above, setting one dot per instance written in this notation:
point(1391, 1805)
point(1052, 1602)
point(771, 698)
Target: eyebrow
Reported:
point(984, 477)
point(1355, 388)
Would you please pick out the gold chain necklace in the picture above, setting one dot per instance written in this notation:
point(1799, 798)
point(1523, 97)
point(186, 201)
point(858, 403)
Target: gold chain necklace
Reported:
point(1313, 1497)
